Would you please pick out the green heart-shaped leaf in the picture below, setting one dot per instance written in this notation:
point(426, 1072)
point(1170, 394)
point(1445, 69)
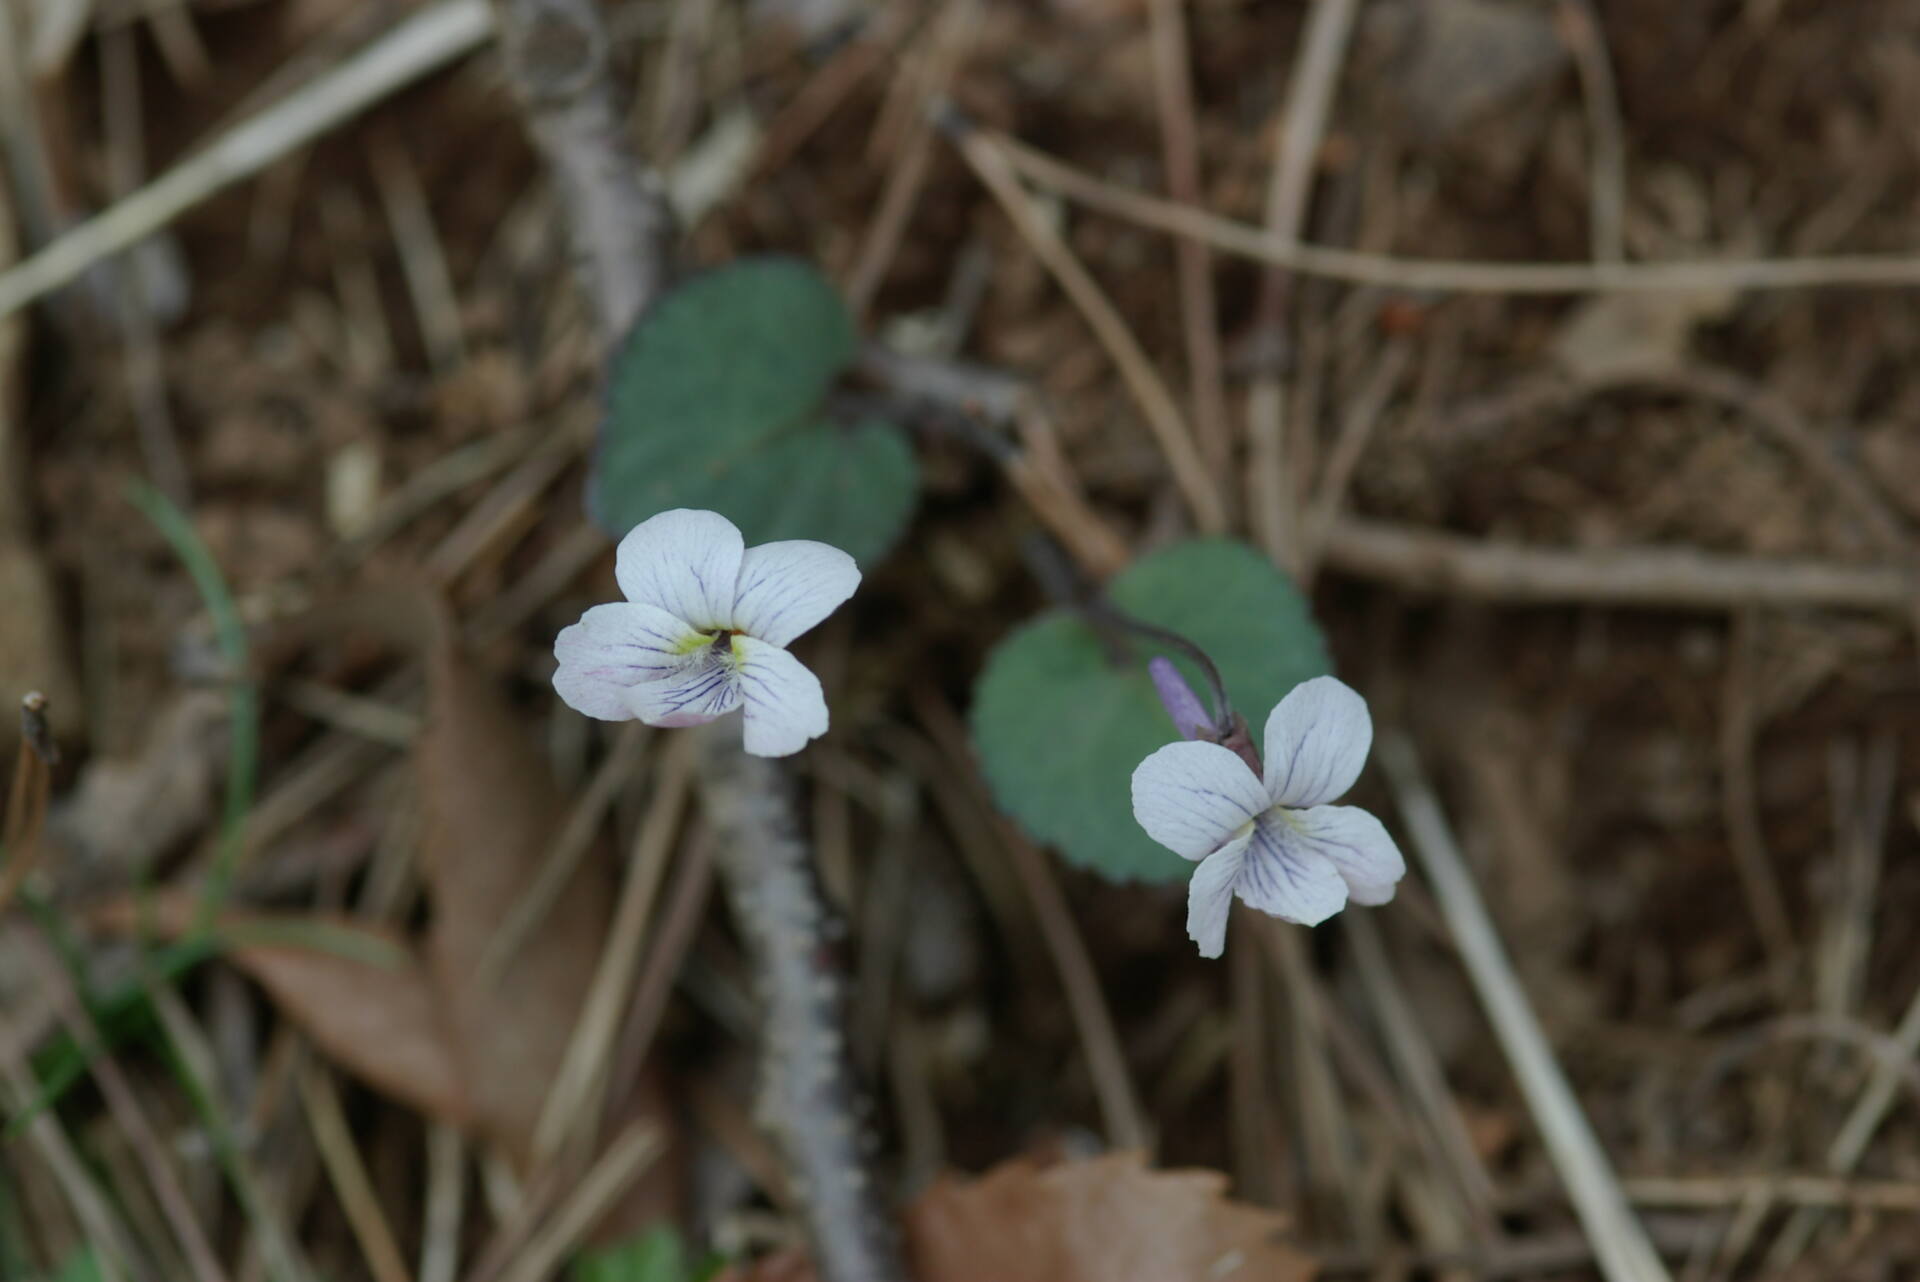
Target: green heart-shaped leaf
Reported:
point(1060, 723)
point(715, 401)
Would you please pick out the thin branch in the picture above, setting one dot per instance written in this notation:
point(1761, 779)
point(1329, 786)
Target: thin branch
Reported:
point(1180, 151)
point(1876, 271)
point(1310, 91)
point(420, 44)
point(1620, 1243)
point(1424, 560)
point(1157, 405)
point(1606, 139)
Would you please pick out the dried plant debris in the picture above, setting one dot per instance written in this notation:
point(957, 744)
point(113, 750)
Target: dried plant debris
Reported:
point(1634, 567)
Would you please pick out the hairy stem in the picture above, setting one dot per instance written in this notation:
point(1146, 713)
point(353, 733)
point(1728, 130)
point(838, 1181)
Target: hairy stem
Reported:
point(809, 1099)
point(557, 53)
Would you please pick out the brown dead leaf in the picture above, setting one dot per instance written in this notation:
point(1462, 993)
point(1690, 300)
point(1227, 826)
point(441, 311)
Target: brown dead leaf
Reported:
point(358, 991)
point(429, 1032)
point(1107, 1219)
point(491, 812)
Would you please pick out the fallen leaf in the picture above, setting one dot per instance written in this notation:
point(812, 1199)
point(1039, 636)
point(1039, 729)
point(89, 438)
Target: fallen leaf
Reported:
point(425, 1027)
point(1107, 1219)
point(358, 991)
point(491, 811)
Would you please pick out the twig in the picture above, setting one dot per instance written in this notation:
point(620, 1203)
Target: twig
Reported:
point(445, 1204)
point(1180, 149)
point(414, 47)
point(1620, 1243)
point(1857, 1131)
point(564, 854)
point(671, 940)
point(1324, 1121)
point(1310, 90)
point(1807, 1190)
point(571, 1109)
point(1740, 805)
point(605, 1181)
point(1356, 431)
point(949, 39)
point(348, 1172)
point(1667, 577)
point(1420, 1071)
point(807, 1094)
point(1106, 1063)
point(1149, 390)
point(154, 1157)
point(109, 1238)
point(1606, 142)
point(953, 387)
point(423, 262)
point(1874, 271)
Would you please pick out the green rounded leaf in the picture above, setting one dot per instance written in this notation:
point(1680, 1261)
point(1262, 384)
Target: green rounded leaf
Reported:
point(1060, 721)
point(715, 401)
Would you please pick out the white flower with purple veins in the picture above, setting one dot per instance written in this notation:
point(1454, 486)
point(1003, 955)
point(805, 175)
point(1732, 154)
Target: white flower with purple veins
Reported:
point(1270, 837)
point(705, 629)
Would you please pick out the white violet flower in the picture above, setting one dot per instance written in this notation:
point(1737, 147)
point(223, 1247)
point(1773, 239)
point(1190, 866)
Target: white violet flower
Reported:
point(1272, 839)
point(705, 629)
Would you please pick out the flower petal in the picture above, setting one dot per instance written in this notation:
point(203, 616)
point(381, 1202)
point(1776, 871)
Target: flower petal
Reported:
point(1317, 740)
point(684, 562)
point(705, 688)
point(785, 588)
point(1192, 796)
point(1285, 875)
point(1210, 896)
point(1358, 846)
point(785, 706)
point(616, 646)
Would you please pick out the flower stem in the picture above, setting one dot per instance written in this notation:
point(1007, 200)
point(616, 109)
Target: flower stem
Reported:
point(809, 1099)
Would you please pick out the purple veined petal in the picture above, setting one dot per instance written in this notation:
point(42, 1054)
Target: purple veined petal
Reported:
point(616, 646)
point(1193, 797)
point(1317, 741)
point(1359, 847)
point(786, 588)
point(1177, 697)
point(707, 688)
point(1286, 876)
point(785, 706)
point(685, 562)
point(1210, 896)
